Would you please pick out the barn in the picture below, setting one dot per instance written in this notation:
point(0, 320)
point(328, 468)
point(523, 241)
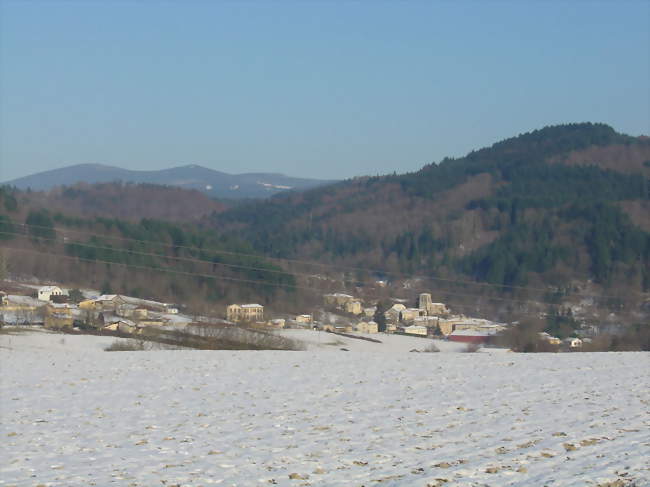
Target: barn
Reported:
point(470, 336)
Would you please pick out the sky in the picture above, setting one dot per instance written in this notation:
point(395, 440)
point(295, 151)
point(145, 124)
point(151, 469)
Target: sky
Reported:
point(327, 89)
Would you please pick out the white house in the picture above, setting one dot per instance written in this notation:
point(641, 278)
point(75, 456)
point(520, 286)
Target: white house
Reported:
point(573, 342)
point(416, 330)
point(46, 292)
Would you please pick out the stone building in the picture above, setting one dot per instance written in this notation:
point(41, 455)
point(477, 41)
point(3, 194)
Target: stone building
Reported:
point(245, 312)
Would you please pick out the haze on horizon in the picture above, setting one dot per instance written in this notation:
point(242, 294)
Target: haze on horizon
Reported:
point(326, 90)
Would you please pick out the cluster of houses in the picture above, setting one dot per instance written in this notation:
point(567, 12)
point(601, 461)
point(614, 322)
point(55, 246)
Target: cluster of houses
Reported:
point(253, 314)
point(53, 308)
point(428, 319)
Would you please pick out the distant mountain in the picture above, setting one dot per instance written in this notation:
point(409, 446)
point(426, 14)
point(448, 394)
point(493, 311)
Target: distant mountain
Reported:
point(126, 201)
point(213, 183)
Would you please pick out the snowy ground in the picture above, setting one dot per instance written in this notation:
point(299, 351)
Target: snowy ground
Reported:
point(74, 415)
point(323, 341)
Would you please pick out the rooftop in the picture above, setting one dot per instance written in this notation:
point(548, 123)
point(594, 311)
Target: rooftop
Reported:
point(46, 289)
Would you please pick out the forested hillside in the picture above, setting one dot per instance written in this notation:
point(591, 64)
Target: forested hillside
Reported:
point(560, 205)
point(545, 223)
point(126, 201)
point(143, 257)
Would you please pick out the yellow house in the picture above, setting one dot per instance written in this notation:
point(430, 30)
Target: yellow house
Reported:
point(245, 312)
point(338, 328)
point(58, 316)
point(87, 304)
point(446, 326)
point(123, 326)
point(549, 339)
point(409, 314)
point(354, 307)
point(416, 330)
point(367, 327)
point(370, 312)
point(109, 302)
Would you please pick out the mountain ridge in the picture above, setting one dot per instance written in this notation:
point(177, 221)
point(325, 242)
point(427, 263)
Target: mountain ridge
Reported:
point(216, 184)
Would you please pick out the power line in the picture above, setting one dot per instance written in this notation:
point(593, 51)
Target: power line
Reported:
point(266, 282)
point(194, 274)
point(164, 256)
point(303, 262)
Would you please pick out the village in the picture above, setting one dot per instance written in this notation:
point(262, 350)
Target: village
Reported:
point(58, 308)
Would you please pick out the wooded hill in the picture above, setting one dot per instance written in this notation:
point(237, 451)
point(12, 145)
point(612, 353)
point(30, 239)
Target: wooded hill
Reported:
point(551, 220)
point(564, 208)
point(126, 201)
point(177, 262)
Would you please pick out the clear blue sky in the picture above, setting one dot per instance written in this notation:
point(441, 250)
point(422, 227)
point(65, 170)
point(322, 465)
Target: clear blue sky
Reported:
point(317, 89)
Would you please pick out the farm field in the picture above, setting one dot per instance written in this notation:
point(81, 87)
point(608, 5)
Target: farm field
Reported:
point(72, 414)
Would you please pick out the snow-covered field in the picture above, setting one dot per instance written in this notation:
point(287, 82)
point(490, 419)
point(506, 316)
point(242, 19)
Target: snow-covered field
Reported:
point(323, 341)
point(74, 415)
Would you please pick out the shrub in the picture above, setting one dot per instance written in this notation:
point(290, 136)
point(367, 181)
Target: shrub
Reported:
point(431, 348)
point(472, 348)
point(130, 345)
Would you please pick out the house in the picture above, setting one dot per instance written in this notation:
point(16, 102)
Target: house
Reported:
point(245, 312)
point(549, 339)
point(470, 336)
point(430, 322)
point(366, 327)
point(447, 325)
point(46, 292)
point(87, 304)
point(337, 328)
point(436, 309)
point(409, 314)
point(370, 312)
point(415, 330)
point(125, 310)
point(337, 299)
point(122, 325)
point(170, 309)
point(354, 307)
point(573, 342)
point(457, 323)
point(343, 328)
point(109, 302)
point(58, 316)
point(393, 314)
point(303, 319)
